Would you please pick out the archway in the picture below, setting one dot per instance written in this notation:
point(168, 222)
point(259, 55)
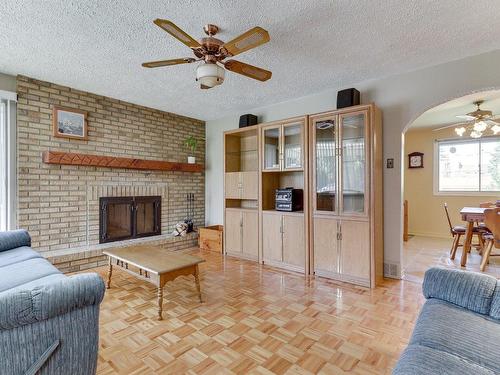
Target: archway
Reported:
point(449, 175)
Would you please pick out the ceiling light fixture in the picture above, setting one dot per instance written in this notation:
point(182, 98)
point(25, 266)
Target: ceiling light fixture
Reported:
point(210, 74)
point(477, 122)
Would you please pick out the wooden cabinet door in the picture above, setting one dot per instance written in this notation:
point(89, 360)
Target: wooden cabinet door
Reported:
point(232, 185)
point(249, 185)
point(325, 249)
point(355, 251)
point(294, 241)
point(250, 238)
point(271, 237)
point(232, 231)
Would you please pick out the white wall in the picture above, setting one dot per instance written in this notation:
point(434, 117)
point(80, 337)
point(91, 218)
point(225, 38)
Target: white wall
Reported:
point(402, 99)
point(7, 82)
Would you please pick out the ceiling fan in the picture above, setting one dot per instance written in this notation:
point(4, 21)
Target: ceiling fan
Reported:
point(213, 52)
point(477, 122)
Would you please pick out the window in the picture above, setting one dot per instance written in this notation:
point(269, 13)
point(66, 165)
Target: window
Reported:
point(468, 165)
point(7, 160)
point(3, 165)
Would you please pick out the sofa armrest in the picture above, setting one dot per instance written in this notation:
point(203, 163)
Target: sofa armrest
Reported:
point(470, 290)
point(14, 238)
point(23, 307)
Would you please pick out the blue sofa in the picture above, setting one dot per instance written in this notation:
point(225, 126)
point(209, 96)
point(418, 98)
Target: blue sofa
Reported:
point(458, 329)
point(48, 321)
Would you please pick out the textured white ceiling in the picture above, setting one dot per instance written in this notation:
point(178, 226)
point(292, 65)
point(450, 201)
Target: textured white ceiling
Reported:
point(98, 45)
point(446, 113)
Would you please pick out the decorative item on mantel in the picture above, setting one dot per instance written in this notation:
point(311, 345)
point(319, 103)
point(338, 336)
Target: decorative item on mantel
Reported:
point(191, 143)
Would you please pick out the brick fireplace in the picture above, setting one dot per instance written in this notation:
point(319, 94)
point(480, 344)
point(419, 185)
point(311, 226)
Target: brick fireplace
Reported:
point(59, 204)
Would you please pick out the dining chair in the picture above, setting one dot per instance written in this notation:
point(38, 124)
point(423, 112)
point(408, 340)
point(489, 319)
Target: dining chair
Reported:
point(492, 237)
point(456, 231)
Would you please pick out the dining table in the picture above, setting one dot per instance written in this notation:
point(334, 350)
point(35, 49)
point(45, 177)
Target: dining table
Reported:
point(471, 215)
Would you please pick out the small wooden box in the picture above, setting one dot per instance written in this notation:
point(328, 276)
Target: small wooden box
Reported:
point(210, 238)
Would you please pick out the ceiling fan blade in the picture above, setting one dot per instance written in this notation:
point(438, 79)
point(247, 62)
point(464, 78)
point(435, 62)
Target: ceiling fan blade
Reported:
point(450, 126)
point(248, 70)
point(157, 64)
point(466, 117)
point(493, 121)
point(251, 39)
point(177, 33)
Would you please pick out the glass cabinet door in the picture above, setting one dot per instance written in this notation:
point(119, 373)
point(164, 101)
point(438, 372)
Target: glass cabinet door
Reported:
point(325, 164)
point(353, 129)
point(272, 148)
point(293, 146)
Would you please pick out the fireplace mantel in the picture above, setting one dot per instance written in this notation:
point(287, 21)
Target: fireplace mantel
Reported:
point(71, 158)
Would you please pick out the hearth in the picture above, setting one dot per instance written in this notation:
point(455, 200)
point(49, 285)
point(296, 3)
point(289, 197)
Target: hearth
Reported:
point(122, 218)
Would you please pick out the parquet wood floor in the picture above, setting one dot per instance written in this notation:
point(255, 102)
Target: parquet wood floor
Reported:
point(254, 320)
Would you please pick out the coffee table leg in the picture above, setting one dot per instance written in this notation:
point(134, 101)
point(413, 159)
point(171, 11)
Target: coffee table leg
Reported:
point(110, 272)
point(160, 302)
point(197, 281)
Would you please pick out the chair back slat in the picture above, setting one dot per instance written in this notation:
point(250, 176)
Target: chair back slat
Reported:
point(487, 204)
point(492, 222)
point(448, 217)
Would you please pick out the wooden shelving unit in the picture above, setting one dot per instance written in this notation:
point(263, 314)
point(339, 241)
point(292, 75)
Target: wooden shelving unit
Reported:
point(241, 193)
point(336, 159)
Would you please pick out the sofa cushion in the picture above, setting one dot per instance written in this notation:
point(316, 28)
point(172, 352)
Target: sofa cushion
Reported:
point(454, 330)
point(470, 290)
point(43, 281)
point(17, 255)
point(421, 360)
point(24, 272)
point(14, 238)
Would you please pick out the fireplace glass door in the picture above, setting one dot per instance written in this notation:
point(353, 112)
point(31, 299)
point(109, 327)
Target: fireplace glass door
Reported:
point(123, 218)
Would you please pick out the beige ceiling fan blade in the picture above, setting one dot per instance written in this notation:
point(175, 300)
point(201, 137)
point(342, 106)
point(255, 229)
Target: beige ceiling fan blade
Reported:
point(157, 64)
point(177, 32)
point(466, 117)
point(493, 121)
point(251, 39)
point(248, 70)
point(451, 126)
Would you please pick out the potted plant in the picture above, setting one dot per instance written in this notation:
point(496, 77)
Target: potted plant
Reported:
point(191, 143)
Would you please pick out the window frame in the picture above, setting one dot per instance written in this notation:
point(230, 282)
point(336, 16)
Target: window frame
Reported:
point(9, 157)
point(435, 177)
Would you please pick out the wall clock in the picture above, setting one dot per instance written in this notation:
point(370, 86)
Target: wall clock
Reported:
point(416, 160)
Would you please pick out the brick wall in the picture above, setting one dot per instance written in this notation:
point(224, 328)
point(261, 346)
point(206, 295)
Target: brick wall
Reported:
point(53, 199)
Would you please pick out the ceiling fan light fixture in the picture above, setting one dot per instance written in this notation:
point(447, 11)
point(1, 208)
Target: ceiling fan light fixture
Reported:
point(475, 134)
point(460, 131)
point(495, 129)
point(210, 74)
point(480, 126)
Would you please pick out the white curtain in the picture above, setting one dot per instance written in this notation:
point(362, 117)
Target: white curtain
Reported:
point(354, 166)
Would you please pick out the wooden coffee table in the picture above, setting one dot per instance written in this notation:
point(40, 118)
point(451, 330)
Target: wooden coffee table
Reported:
point(154, 265)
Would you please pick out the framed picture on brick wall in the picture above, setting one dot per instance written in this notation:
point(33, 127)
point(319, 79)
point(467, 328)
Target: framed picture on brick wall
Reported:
point(69, 123)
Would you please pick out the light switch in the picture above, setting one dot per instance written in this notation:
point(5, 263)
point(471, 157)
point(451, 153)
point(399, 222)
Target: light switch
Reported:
point(390, 163)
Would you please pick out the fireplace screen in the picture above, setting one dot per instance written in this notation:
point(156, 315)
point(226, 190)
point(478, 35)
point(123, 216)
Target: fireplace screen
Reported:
point(123, 218)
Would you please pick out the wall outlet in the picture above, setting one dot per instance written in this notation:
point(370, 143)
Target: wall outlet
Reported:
point(390, 163)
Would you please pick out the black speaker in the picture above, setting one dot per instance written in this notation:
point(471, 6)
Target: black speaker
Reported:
point(347, 98)
point(248, 120)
